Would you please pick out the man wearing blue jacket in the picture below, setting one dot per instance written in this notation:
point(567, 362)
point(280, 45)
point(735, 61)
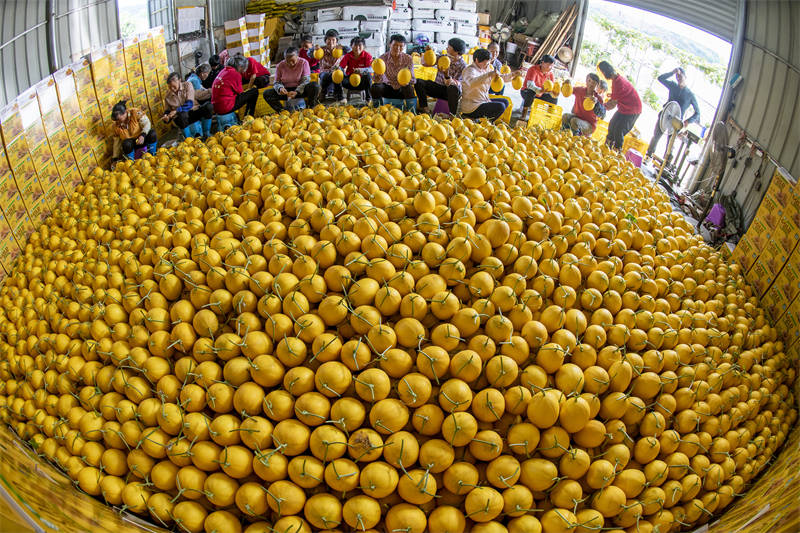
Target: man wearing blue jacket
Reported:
point(678, 92)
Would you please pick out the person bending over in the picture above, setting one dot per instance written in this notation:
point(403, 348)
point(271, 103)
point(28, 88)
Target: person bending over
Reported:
point(448, 82)
point(626, 101)
point(533, 87)
point(292, 79)
point(227, 94)
point(132, 130)
point(478, 77)
point(386, 85)
point(255, 75)
point(582, 121)
point(182, 108)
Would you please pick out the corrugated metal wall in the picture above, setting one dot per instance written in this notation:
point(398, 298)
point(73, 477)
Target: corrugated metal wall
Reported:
point(499, 9)
point(222, 10)
point(79, 26)
point(717, 17)
point(765, 104)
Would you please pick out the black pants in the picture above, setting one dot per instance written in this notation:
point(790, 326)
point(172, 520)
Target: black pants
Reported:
point(184, 118)
point(326, 80)
point(618, 127)
point(363, 86)
point(427, 87)
point(529, 96)
point(657, 133)
point(383, 90)
point(491, 110)
point(129, 145)
point(247, 98)
point(260, 82)
point(310, 93)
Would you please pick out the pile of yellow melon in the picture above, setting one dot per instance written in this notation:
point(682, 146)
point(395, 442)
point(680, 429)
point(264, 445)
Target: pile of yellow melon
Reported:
point(365, 320)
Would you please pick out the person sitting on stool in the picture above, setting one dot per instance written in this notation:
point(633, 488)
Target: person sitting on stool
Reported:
point(181, 107)
point(328, 63)
point(582, 121)
point(227, 94)
point(533, 87)
point(132, 130)
point(292, 79)
point(678, 92)
point(448, 82)
point(357, 61)
point(256, 74)
point(478, 77)
point(307, 52)
point(196, 78)
point(386, 85)
point(494, 60)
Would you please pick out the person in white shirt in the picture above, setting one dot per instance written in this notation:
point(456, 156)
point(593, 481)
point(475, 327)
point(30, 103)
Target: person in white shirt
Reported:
point(475, 82)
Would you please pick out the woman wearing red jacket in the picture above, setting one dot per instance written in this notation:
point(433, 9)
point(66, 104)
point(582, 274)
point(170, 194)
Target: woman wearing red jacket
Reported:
point(357, 61)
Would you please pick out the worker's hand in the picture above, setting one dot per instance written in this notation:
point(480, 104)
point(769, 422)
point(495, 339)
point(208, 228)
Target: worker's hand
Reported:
point(291, 94)
point(140, 140)
point(675, 71)
point(283, 91)
point(611, 104)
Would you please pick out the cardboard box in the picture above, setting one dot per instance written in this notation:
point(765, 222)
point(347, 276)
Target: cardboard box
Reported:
point(10, 122)
point(791, 210)
point(17, 217)
point(9, 249)
point(786, 234)
point(17, 150)
point(470, 30)
point(484, 19)
point(431, 4)
point(770, 210)
point(402, 13)
point(342, 26)
point(788, 325)
point(397, 25)
point(460, 17)
point(379, 26)
point(760, 277)
point(101, 72)
point(788, 280)
point(759, 233)
point(366, 13)
point(775, 302)
point(424, 14)
point(432, 25)
point(774, 256)
point(465, 5)
point(781, 185)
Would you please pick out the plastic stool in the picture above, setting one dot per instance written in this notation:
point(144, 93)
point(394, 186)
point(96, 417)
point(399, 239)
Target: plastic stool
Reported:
point(408, 104)
point(226, 121)
point(634, 157)
point(441, 107)
point(506, 116)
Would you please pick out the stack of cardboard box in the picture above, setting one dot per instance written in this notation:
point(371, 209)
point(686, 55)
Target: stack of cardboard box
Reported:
point(769, 255)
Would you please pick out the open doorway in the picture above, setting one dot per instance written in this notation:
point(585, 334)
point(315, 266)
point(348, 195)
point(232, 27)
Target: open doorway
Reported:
point(642, 46)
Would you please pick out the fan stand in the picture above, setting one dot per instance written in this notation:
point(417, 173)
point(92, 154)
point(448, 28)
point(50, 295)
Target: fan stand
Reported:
point(676, 126)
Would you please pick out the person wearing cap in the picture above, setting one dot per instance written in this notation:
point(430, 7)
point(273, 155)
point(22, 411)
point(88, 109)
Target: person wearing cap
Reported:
point(678, 92)
point(582, 121)
point(292, 79)
point(448, 82)
point(386, 85)
point(307, 52)
point(132, 130)
point(357, 61)
point(625, 100)
point(476, 80)
point(227, 93)
point(494, 60)
point(533, 86)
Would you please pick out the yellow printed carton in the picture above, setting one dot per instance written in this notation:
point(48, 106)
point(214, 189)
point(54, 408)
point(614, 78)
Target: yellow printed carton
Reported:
point(86, 165)
point(41, 156)
point(781, 185)
point(54, 192)
point(786, 234)
point(759, 277)
point(77, 128)
point(67, 94)
point(101, 72)
point(8, 187)
point(788, 325)
point(759, 233)
point(774, 302)
point(9, 249)
point(788, 281)
point(31, 119)
point(17, 150)
point(17, 217)
point(770, 210)
point(119, 76)
point(745, 253)
point(792, 210)
point(10, 122)
point(774, 256)
point(133, 61)
point(72, 180)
